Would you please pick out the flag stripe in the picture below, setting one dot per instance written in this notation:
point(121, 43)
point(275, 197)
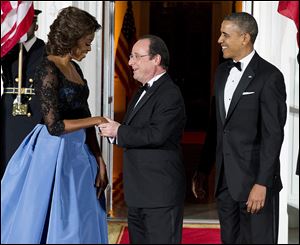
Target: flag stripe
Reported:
point(125, 42)
point(122, 77)
point(16, 19)
point(290, 9)
point(5, 9)
point(123, 59)
point(122, 70)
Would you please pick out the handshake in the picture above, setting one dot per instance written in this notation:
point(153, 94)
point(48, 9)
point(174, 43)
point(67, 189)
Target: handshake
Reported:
point(101, 120)
point(108, 127)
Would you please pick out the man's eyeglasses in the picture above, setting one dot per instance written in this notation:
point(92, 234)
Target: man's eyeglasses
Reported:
point(137, 56)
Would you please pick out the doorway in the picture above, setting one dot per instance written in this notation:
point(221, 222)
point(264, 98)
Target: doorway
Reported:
point(190, 30)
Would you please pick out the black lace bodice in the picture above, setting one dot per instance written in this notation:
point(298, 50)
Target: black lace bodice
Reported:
point(60, 98)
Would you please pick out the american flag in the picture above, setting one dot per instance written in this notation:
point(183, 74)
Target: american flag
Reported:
point(126, 40)
point(290, 9)
point(16, 19)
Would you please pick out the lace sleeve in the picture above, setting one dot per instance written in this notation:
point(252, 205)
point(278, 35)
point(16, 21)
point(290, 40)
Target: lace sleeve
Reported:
point(47, 89)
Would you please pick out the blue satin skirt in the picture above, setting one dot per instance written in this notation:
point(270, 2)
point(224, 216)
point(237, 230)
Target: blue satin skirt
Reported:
point(48, 190)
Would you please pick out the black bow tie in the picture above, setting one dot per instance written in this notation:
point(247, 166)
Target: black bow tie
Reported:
point(145, 87)
point(231, 64)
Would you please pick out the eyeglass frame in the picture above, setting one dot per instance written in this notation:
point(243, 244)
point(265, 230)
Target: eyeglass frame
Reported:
point(137, 56)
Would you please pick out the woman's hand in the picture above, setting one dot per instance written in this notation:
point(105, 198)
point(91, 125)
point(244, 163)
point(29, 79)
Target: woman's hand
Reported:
point(101, 179)
point(100, 120)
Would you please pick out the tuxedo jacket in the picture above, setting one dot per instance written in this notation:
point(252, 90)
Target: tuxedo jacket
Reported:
point(249, 138)
point(153, 170)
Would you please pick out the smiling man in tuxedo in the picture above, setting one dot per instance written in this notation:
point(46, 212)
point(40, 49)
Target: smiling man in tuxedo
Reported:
point(251, 114)
point(153, 171)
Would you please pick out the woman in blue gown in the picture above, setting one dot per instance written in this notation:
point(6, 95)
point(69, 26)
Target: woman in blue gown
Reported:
point(53, 188)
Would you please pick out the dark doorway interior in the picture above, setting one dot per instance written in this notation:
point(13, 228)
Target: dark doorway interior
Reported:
point(186, 29)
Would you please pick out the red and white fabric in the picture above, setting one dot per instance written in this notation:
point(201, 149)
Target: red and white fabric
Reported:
point(290, 9)
point(16, 19)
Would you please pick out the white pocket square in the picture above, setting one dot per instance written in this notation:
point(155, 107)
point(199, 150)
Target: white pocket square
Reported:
point(247, 93)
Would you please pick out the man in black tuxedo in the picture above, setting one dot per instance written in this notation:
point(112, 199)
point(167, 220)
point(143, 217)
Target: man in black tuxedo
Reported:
point(14, 129)
point(153, 171)
point(251, 114)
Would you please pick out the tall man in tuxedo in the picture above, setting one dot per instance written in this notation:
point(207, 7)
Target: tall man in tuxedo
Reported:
point(153, 171)
point(14, 129)
point(251, 114)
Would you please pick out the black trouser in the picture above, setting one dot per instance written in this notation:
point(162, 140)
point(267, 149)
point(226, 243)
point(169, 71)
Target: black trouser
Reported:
point(240, 227)
point(155, 225)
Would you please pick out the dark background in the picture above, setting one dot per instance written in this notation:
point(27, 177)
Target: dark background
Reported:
point(186, 29)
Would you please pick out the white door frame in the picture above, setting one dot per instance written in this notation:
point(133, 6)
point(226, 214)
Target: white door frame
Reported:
point(108, 62)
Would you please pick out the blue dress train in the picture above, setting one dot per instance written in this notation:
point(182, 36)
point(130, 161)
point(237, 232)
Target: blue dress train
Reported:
point(61, 167)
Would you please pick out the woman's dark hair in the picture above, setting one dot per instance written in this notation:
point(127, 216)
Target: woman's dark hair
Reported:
point(70, 25)
point(158, 46)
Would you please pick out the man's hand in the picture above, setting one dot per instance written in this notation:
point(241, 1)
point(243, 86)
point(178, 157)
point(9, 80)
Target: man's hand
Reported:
point(197, 185)
point(109, 129)
point(256, 199)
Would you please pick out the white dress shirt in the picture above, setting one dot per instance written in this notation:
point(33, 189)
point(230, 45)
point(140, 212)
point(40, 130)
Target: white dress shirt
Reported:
point(234, 79)
point(150, 83)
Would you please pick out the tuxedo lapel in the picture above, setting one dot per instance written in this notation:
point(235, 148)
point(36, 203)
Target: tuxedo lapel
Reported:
point(130, 107)
point(220, 91)
point(143, 100)
point(242, 86)
point(139, 105)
